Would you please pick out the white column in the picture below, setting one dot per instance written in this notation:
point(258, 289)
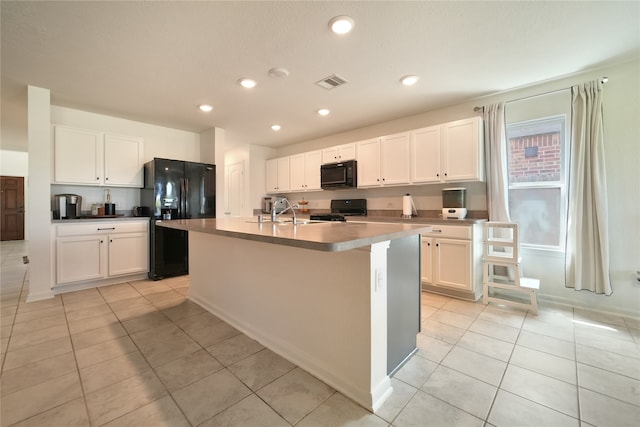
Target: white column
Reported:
point(39, 215)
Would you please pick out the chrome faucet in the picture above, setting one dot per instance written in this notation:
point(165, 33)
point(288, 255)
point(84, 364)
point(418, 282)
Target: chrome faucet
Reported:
point(274, 215)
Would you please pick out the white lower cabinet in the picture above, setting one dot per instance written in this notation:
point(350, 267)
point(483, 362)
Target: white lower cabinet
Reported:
point(80, 258)
point(452, 260)
point(98, 250)
point(128, 253)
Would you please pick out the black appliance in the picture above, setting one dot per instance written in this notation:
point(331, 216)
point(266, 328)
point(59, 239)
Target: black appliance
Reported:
point(342, 208)
point(339, 175)
point(174, 189)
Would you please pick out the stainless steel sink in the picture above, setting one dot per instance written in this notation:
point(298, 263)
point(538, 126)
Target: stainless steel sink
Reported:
point(300, 222)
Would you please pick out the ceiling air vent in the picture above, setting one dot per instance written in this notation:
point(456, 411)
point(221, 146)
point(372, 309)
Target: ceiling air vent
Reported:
point(332, 81)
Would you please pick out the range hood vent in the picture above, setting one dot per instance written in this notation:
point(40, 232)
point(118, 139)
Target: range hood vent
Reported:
point(332, 81)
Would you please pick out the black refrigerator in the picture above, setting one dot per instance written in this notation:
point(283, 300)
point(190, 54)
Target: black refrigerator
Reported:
point(175, 189)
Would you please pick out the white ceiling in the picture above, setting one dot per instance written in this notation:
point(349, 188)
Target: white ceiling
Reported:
point(155, 62)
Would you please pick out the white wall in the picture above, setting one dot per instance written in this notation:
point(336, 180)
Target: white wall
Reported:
point(622, 141)
point(16, 163)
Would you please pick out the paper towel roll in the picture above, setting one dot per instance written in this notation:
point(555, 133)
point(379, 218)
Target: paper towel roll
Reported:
point(407, 205)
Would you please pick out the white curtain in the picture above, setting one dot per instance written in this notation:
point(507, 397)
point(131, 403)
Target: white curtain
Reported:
point(496, 163)
point(587, 252)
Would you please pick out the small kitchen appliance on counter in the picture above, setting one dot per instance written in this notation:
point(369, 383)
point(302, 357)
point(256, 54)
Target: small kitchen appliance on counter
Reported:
point(454, 203)
point(66, 206)
point(109, 207)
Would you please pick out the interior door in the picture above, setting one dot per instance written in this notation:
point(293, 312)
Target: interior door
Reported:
point(12, 208)
point(235, 189)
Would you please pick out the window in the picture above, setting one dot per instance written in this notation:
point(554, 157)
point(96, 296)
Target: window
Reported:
point(537, 186)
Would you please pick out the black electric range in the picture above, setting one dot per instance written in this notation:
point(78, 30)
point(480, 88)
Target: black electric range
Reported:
point(341, 208)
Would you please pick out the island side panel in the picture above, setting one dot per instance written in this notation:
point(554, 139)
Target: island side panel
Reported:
point(324, 311)
point(403, 297)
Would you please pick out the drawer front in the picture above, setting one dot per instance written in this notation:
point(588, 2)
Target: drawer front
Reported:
point(106, 227)
point(451, 231)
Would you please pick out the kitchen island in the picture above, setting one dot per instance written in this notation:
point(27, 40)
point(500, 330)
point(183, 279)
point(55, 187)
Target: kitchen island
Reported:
point(340, 300)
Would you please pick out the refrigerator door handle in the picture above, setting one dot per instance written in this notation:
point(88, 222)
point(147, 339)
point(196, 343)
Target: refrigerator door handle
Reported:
point(186, 196)
point(181, 199)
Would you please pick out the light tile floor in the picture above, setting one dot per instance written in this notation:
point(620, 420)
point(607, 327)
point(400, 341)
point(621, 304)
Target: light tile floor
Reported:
point(141, 354)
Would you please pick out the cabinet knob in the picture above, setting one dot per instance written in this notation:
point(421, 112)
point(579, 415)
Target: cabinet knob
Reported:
point(428, 244)
point(97, 178)
point(438, 175)
point(445, 174)
point(101, 241)
point(438, 245)
point(106, 179)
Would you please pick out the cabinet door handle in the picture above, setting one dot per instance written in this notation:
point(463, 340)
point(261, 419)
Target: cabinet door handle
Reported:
point(108, 228)
point(436, 231)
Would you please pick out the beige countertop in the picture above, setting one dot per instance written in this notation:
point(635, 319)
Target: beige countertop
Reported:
point(322, 236)
point(99, 219)
point(417, 220)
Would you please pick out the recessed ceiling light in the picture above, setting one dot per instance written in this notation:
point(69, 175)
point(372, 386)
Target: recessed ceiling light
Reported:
point(341, 24)
point(206, 108)
point(247, 83)
point(409, 80)
point(323, 112)
point(276, 127)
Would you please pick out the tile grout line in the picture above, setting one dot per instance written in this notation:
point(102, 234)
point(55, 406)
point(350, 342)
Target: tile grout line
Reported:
point(145, 359)
point(75, 360)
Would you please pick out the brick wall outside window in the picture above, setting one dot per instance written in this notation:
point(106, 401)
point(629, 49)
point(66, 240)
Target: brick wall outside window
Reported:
point(541, 166)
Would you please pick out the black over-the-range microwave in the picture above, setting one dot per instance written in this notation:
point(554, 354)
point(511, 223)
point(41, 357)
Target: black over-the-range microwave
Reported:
point(339, 175)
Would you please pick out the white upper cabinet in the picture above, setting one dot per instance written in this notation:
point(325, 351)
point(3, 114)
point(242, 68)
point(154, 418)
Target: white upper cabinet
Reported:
point(339, 153)
point(123, 164)
point(396, 155)
point(277, 175)
point(450, 152)
point(369, 163)
point(87, 157)
point(384, 161)
point(304, 171)
point(425, 158)
point(78, 156)
point(462, 154)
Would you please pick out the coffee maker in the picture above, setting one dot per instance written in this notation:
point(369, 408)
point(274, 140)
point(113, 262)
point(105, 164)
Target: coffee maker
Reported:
point(66, 206)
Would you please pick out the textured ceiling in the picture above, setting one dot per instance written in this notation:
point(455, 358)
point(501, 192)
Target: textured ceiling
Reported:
point(155, 62)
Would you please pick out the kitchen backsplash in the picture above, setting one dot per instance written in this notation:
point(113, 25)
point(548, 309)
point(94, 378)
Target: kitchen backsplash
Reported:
point(124, 198)
point(425, 197)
